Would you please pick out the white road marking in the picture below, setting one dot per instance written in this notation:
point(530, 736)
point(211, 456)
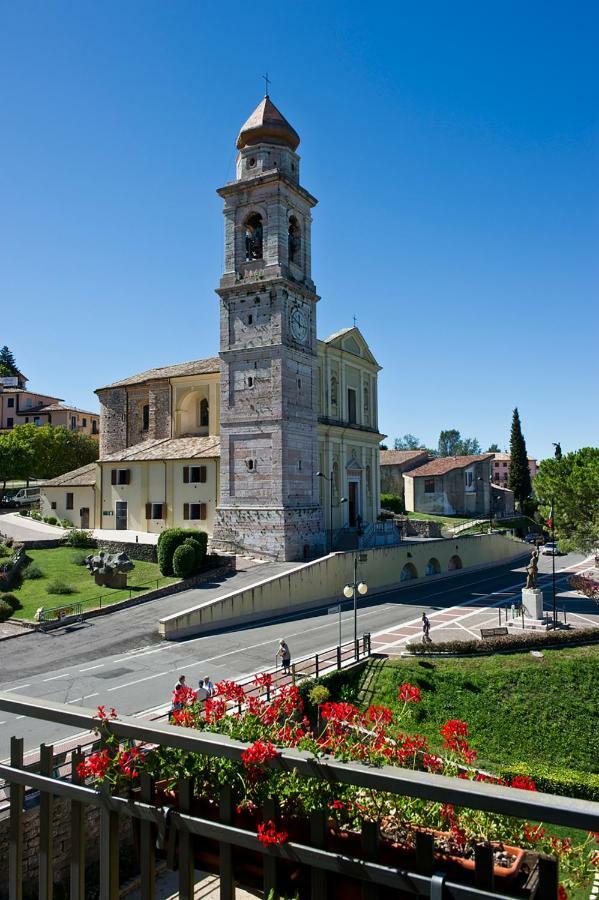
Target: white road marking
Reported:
point(118, 687)
point(8, 690)
point(89, 668)
point(56, 677)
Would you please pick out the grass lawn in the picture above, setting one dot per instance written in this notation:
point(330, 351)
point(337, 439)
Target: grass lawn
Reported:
point(61, 563)
point(520, 708)
point(444, 520)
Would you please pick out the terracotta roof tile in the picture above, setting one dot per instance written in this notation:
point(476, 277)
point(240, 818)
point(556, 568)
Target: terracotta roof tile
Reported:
point(445, 464)
point(168, 448)
point(82, 477)
point(398, 457)
point(195, 367)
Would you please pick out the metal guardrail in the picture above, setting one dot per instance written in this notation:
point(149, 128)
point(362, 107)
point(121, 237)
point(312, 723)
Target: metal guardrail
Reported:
point(179, 824)
point(75, 609)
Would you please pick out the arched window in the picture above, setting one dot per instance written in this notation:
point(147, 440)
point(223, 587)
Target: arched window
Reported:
point(145, 417)
point(335, 485)
point(294, 240)
point(454, 563)
point(333, 390)
point(204, 413)
point(253, 237)
point(408, 572)
point(433, 567)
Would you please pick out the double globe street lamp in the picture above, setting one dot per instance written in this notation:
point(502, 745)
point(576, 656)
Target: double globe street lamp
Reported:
point(352, 590)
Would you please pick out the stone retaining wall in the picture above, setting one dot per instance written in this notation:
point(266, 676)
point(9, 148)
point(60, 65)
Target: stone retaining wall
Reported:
point(143, 552)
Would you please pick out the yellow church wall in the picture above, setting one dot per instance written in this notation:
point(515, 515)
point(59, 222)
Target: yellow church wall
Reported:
point(83, 498)
point(323, 579)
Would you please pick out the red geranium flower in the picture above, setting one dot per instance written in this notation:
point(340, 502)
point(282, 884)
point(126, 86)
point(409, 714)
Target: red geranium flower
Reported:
point(259, 753)
point(409, 693)
point(268, 834)
point(524, 783)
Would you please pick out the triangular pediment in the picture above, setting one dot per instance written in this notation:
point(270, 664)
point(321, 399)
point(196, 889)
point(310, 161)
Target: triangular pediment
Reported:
point(353, 465)
point(351, 341)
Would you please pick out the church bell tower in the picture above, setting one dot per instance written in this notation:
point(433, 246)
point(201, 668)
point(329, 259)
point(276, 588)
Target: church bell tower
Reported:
point(269, 502)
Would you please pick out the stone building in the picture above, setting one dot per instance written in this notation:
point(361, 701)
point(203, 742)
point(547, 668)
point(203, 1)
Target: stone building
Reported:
point(450, 486)
point(501, 468)
point(393, 465)
point(233, 444)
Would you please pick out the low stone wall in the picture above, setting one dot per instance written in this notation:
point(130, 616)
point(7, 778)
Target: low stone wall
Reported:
point(314, 584)
point(61, 833)
point(418, 527)
point(143, 552)
point(42, 543)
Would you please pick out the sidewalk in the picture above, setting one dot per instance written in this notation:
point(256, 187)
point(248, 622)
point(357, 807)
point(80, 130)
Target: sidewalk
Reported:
point(207, 887)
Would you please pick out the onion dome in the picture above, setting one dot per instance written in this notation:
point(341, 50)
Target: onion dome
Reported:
point(267, 125)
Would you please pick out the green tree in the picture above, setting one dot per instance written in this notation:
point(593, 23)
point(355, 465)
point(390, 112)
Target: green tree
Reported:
point(407, 442)
point(519, 473)
point(451, 443)
point(52, 450)
point(558, 451)
point(15, 459)
point(8, 364)
point(571, 484)
point(493, 448)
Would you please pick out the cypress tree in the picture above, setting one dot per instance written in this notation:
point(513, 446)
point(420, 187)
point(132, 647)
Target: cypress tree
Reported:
point(519, 480)
point(7, 361)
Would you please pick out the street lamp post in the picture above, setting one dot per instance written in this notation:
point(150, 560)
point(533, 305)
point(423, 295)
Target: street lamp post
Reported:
point(352, 590)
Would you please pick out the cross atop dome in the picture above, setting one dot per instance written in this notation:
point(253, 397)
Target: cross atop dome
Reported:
point(267, 125)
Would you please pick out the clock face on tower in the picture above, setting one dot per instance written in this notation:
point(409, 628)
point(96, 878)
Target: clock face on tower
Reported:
point(299, 325)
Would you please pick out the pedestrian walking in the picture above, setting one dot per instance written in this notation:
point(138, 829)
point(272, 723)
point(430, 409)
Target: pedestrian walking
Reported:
point(285, 653)
point(208, 685)
point(202, 692)
point(426, 627)
point(179, 691)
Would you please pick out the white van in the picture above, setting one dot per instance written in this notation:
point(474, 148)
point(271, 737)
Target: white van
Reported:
point(25, 497)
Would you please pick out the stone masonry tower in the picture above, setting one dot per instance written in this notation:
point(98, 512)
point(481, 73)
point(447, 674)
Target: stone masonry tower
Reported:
point(269, 501)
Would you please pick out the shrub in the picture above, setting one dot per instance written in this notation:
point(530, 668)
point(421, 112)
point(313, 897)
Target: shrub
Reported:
point(185, 559)
point(319, 694)
point(57, 586)
point(566, 782)
point(34, 514)
point(76, 537)
point(393, 502)
point(512, 642)
point(12, 601)
point(24, 512)
point(66, 523)
point(32, 571)
point(4, 551)
point(5, 610)
point(51, 520)
point(171, 539)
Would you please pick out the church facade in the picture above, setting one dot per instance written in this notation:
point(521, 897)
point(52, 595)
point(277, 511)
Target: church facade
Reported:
point(272, 446)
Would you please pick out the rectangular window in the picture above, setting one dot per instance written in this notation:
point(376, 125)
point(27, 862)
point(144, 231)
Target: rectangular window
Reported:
point(10, 402)
point(29, 403)
point(351, 406)
point(120, 476)
point(429, 485)
point(94, 426)
point(155, 510)
point(10, 422)
point(194, 511)
point(194, 474)
point(53, 504)
point(145, 418)
point(84, 421)
point(73, 423)
point(69, 501)
point(37, 420)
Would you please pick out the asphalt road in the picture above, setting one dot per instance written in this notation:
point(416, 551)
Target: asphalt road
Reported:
point(119, 660)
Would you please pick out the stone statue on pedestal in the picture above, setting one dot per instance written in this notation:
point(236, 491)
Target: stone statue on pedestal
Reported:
point(532, 571)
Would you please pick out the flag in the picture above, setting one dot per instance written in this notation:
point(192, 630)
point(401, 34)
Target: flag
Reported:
point(550, 522)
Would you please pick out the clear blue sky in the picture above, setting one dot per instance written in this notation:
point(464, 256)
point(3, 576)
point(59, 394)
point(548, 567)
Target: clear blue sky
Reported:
point(453, 148)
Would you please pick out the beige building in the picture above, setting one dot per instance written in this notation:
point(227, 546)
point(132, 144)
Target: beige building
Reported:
point(274, 442)
point(501, 468)
point(20, 406)
point(450, 486)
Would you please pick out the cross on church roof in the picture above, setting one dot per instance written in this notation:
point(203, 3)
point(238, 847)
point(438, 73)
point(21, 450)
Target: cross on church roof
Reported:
point(266, 82)
point(355, 321)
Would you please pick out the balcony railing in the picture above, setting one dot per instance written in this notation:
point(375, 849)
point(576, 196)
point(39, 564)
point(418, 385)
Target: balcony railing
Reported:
point(174, 828)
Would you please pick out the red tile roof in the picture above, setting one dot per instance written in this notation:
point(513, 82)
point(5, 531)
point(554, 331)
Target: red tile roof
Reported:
point(398, 457)
point(445, 464)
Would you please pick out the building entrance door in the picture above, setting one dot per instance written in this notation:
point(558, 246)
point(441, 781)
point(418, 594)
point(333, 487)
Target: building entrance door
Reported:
point(84, 515)
point(353, 503)
point(121, 515)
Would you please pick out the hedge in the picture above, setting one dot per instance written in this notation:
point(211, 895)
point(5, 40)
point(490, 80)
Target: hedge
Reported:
point(6, 610)
point(531, 641)
point(393, 502)
point(565, 782)
point(172, 538)
point(185, 559)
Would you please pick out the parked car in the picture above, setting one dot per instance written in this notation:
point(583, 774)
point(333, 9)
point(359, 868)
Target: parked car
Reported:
point(533, 538)
point(551, 549)
point(23, 497)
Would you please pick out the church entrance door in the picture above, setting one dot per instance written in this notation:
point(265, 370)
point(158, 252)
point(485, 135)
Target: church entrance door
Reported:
point(353, 503)
point(84, 514)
